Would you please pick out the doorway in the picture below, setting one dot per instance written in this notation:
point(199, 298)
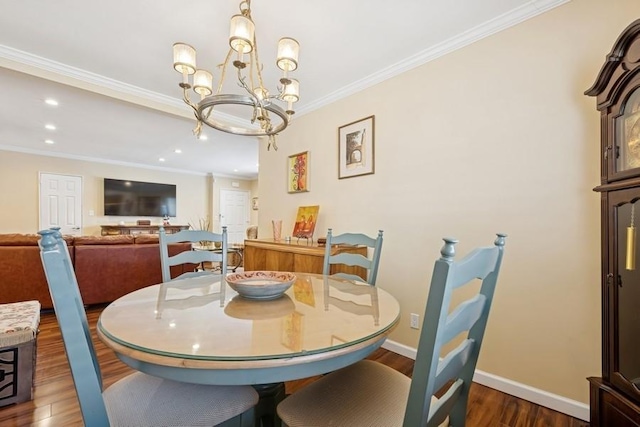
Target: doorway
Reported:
point(61, 203)
point(235, 214)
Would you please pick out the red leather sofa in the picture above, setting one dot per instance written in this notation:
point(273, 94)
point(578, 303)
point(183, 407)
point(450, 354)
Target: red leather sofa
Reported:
point(106, 267)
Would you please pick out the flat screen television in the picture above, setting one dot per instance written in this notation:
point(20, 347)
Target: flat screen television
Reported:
point(134, 198)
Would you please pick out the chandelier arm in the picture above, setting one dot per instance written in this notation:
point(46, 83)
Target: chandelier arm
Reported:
point(272, 143)
point(187, 99)
point(251, 65)
point(256, 102)
point(198, 129)
point(242, 83)
point(257, 61)
point(206, 115)
point(224, 70)
point(281, 92)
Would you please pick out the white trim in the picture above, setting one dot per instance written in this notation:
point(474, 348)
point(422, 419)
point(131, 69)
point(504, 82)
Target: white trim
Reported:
point(527, 11)
point(54, 68)
point(495, 25)
point(401, 349)
point(116, 162)
point(97, 160)
point(573, 408)
point(556, 402)
point(85, 76)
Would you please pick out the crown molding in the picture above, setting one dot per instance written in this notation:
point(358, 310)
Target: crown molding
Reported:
point(486, 29)
point(114, 162)
point(61, 73)
point(52, 69)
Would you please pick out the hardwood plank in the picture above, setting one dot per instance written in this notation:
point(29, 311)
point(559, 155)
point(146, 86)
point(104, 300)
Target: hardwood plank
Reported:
point(55, 402)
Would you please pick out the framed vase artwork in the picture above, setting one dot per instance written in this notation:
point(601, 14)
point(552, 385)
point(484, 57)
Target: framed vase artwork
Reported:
point(298, 172)
point(356, 148)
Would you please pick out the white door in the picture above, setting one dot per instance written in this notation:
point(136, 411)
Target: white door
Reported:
point(235, 214)
point(61, 203)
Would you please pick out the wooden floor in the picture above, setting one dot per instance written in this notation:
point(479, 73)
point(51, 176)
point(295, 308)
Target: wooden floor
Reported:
point(55, 403)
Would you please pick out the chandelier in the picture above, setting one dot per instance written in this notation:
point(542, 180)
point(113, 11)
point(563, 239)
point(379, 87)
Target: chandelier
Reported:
point(243, 55)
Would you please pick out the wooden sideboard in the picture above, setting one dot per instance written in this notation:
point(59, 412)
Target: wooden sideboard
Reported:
point(110, 230)
point(296, 256)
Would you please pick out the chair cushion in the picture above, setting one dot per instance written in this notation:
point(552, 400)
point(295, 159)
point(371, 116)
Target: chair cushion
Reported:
point(18, 322)
point(144, 400)
point(364, 394)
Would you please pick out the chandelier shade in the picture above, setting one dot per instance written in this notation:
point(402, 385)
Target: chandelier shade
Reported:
point(243, 55)
point(184, 58)
point(203, 83)
point(288, 49)
point(241, 34)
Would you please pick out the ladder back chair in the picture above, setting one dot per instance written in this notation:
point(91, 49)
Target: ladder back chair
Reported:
point(137, 399)
point(354, 260)
point(352, 300)
point(209, 252)
point(345, 397)
point(210, 287)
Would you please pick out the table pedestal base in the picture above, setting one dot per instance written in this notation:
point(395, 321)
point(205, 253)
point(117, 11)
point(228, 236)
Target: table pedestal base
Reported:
point(270, 396)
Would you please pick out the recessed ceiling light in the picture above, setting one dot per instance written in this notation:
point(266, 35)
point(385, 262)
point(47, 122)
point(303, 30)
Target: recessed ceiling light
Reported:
point(49, 141)
point(161, 159)
point(51, 101)
point(235, 170)
point(177, 150)
point(203, 137)
point(50, 126)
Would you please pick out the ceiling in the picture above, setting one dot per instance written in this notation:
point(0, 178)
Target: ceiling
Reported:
point(109, 65)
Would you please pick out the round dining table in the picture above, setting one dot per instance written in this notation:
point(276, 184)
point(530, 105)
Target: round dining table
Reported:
point(199, 330)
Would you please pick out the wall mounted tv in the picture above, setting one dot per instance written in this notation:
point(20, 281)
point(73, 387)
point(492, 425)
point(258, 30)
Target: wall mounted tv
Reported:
point(133, 198)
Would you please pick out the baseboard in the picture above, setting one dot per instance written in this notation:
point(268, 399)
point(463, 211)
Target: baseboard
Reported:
point(558, 403)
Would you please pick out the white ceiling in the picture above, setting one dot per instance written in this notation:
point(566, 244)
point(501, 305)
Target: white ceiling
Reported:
point(109, 64)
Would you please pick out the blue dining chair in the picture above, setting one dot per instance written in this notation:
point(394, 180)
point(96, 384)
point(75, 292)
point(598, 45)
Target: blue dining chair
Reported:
point(354, 260)
point(210, 288)
point(137, 399)
point(195, 257)
point(361, 300)
point(370, 394)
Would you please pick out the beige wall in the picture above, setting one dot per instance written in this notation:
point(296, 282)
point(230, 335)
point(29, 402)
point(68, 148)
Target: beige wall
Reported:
point(495, 137)
point(197, 196)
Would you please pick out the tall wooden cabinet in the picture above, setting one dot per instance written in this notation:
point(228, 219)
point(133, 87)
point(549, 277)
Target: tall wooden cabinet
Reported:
point(615, 397)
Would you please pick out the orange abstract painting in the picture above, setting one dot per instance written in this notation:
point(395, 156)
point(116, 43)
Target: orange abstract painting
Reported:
point(306, 222)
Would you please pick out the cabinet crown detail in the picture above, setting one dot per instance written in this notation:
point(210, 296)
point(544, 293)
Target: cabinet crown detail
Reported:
point(620, 62)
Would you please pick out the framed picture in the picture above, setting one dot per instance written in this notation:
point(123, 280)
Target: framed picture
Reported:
point(298, 172)
point(356, 148)
point(305, 222)
point(254, 203)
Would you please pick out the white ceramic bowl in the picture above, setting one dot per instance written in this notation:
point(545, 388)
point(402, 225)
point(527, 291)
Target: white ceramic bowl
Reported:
point(261, 285)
